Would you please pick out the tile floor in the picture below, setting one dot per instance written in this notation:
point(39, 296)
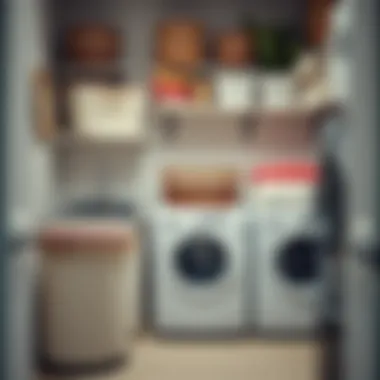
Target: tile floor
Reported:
point(161, 360)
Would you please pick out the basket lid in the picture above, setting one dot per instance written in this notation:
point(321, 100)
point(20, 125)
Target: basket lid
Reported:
point(73, 236)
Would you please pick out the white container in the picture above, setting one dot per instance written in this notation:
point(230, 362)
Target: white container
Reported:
point(86, 308)
point(107, 112)
point(340, 47)
point(235, 89)
point(277, 91)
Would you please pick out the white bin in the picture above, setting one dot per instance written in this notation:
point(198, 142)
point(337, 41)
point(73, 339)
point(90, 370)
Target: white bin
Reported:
point(85, 296)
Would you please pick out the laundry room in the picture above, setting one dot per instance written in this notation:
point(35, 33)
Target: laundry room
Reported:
point(168, 161)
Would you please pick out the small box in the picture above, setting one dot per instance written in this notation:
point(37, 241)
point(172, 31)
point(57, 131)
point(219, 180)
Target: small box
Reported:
point(107, 111)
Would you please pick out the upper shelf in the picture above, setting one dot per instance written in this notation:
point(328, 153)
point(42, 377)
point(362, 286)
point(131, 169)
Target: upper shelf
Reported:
point(72, 139)
point(322, 110)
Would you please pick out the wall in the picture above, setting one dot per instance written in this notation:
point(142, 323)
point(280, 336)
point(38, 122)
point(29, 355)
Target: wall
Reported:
point(30, 181)
point(359, 153)
point(30, 169)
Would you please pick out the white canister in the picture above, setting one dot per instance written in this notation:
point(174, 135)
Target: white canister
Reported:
point(235, 89)
point(277, 90)
point(106, 112)
point(339, 50)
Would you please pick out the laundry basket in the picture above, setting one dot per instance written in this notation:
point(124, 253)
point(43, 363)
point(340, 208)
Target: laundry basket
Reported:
point(84, 297)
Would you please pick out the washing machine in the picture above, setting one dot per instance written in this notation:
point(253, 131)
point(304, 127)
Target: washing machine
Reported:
point(285, 266)
point(199, 261)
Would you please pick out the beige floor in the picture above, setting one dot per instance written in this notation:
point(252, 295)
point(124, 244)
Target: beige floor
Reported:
point(158, 360)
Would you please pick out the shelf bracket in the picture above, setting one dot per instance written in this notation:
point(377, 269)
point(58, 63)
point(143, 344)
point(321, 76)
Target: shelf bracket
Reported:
point(248, 124)
point(170, 126)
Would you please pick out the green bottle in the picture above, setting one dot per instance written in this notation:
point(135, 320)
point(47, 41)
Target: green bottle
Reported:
point(275, 48)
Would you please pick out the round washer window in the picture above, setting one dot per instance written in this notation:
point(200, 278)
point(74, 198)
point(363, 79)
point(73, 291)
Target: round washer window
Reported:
point(201, 260)
point(298, 260)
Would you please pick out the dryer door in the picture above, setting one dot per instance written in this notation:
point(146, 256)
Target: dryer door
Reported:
point(298, 260)
point(201, 259)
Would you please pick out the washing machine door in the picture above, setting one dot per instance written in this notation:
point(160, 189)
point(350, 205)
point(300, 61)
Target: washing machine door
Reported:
point(201, 259)
point(298, 260)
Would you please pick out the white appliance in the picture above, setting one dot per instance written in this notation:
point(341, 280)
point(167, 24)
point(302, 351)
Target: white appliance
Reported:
point(286, 283)
point(199, 265)
point(199, 258)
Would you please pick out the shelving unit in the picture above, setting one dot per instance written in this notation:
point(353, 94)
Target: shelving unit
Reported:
point(135, 63)
point(137, 21)
point(253, 125)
